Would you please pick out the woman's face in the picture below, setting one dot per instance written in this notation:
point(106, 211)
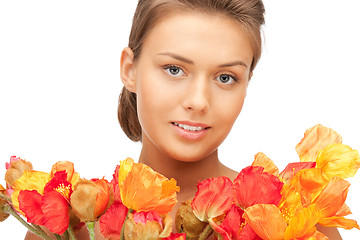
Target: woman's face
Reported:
point(191, 80)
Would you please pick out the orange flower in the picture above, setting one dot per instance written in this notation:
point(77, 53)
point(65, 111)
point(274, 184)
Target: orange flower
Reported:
point(303, 223)
point(266, 220)
point(315, 139)
point(331, 203)
point(309, 183)
point(143, 189)
point(269, 166)
point(90, 199)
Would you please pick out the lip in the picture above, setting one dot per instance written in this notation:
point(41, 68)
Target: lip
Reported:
point(190, 135)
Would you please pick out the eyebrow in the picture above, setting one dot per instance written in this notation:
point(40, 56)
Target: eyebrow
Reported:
point(176, 56)
point(185, 60)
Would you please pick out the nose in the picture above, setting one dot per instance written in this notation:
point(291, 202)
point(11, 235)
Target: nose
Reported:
point(197, 95)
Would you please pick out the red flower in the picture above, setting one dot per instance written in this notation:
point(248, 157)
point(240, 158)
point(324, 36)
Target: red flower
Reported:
point(52, 208)
point(234, 227)
point(253, 186)
point(292, 168)
point(213, 198)
point(111, 222)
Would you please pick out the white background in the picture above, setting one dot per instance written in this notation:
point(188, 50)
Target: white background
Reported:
point(59, 86)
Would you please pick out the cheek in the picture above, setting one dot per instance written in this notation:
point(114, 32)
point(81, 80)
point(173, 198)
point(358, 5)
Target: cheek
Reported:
point(153, 98)
point(230, 108)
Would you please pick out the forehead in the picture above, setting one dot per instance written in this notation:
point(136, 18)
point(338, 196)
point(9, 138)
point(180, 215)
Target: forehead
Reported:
point(199, 34)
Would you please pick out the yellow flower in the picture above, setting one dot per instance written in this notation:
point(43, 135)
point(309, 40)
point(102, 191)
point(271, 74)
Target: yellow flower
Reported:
point(338, 160)
point(143, 189)
point(30, 180)
point(315, 139)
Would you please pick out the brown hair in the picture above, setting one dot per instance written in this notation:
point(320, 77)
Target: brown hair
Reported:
point(250, 13)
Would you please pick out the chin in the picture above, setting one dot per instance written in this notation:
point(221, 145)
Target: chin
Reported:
point(190, 156)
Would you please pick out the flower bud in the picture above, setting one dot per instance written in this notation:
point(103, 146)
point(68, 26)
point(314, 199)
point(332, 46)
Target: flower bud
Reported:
point(72, 176)
point(3, 214)
point(187, 222)
point(15, 169)
point(90, 198)
point(147, 226)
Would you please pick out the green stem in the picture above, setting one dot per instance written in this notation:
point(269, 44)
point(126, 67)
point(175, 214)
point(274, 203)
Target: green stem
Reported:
point(122, 235)
point(70, 231)
point(205, 233)
point(10, 210)
point(91, 228)
point(5, 197)
point(58, 237)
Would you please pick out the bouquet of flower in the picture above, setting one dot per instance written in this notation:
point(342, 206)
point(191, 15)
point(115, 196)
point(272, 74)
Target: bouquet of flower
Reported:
point(261, 203)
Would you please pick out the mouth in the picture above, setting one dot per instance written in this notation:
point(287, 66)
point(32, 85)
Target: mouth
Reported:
point(191, 126)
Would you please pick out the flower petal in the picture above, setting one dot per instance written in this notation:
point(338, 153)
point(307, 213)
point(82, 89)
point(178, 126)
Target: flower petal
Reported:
point(233, 222)
point(213, 198)
point(176, 236)
point(303, 223)
point(67, 166)
point(143, 190)
point(266, 220)
point(339, 222)
point(332, 198)
point(315, 139)
point(30, 205)
point(111, 222)
point(56, 212)
point(338, 160)
point(292, 168)
point(83, 200)
point(267, 187)
point(269, 166)
point(309, 183)
point(30, 180)
point(124, 169)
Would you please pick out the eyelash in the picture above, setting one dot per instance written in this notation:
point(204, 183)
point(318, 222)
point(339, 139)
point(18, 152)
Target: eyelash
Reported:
point(168, 67)
point(236, 80)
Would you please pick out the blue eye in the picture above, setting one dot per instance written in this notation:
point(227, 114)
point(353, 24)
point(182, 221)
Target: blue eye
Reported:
point(174, 71)
point(226, 79)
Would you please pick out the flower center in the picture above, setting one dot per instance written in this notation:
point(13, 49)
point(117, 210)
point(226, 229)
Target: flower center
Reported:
point(63, 190)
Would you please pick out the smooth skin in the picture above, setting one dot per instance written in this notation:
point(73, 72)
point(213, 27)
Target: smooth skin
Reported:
point(194, 69)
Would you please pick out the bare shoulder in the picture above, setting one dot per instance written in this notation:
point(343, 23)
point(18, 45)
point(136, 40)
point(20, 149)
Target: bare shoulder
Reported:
point(228, 172)
point(330, 232)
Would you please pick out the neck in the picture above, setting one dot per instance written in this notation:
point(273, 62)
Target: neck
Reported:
point(187, 174)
